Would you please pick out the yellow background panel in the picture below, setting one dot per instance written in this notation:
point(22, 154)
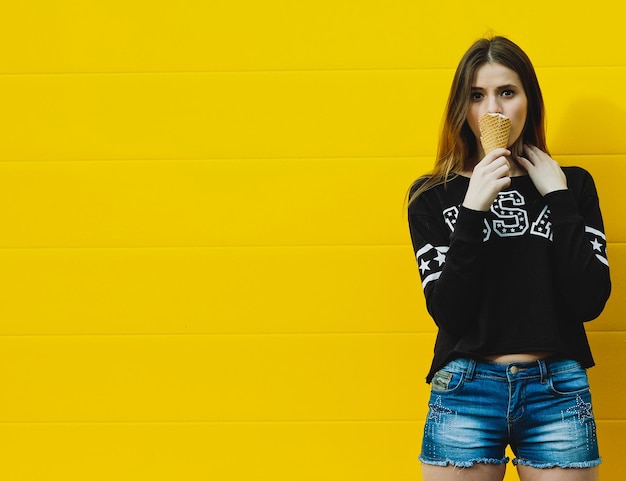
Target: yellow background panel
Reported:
point(221, 290)
point(312, 377)
point(234, 451)
point(228, 290)
point(217, 451)
point(274, 114)
point(191, 35)
point(219, 115)
point(214, 378)
point(337, 201)
point(587, 120)
point(206, 203)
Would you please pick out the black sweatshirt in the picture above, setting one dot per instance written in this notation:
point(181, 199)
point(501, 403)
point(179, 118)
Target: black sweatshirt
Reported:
point(521, 277)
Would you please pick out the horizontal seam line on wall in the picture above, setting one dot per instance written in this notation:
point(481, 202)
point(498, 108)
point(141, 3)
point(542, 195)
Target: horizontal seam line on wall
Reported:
point(213, 159)
point(216, 422)
point(229, 334)
point(230, 246)
point(292, 70)
point(255, 334)
point(230, 421)
point(207, 247)
point(417, 157)
point(257, 422)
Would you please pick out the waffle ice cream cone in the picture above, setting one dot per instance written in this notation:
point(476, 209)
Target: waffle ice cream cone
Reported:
point(494, 131)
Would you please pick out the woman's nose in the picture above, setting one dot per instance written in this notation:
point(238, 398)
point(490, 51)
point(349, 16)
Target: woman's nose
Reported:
point(493, 105)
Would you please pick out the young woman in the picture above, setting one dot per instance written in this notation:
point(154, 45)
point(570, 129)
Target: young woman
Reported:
point(512, 256)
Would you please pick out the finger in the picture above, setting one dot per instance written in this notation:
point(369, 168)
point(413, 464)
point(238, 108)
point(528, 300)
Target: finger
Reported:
point(502, 171)
point(494, 155)
point(499, 153)
point(490, 167)
point(533, 150)
point(528, 149)
point(502, 161)
point(503, 183)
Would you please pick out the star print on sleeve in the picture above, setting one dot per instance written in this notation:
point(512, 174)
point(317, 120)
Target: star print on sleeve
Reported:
point(441, 257)
point(598, 242)
point(431, 260)
point(486, 231)
point(450, 216)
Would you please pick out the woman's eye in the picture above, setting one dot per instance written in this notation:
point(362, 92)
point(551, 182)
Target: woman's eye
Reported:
point(508, 93)
point(477, 95)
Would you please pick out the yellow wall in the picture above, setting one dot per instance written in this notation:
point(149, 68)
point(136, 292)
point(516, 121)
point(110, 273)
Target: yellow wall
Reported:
point(206, 267)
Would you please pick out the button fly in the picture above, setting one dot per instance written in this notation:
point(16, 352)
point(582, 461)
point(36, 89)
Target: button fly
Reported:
point(514, 369)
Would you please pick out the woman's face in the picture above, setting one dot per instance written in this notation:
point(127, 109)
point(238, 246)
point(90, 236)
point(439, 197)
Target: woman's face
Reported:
point(497, 89)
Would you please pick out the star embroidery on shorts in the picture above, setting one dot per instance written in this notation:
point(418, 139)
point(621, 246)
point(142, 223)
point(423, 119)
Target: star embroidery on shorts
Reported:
point(437, 410)
point(582, 409)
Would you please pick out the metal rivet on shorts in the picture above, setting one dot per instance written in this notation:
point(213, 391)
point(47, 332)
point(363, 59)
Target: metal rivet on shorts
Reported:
point(514, 370)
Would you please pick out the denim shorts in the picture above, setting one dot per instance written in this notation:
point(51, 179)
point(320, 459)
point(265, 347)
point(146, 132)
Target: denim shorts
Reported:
point(542, 409)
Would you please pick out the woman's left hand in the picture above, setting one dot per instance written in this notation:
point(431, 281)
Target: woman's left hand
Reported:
point(543, 170)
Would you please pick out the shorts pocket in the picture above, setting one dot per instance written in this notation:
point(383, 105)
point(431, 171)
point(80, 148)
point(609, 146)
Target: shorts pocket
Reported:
point(568, 383)
point(446, 381)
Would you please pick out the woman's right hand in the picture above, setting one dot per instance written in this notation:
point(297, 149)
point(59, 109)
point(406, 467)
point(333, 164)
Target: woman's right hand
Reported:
point(490, 176)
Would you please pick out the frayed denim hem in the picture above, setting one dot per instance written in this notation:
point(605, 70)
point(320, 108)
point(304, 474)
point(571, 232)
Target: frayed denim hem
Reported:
point(533, 464)
point(463, 464)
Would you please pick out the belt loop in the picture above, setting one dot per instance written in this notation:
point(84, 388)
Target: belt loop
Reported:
point(471, 369)
point(543, 369)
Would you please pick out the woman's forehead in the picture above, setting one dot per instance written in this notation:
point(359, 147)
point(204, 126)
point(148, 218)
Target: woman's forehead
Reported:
point(492, 75)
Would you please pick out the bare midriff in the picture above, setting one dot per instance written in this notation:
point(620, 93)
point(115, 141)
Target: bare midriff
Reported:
point(521, 357)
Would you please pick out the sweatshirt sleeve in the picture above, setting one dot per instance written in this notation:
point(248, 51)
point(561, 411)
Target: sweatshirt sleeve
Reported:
point(449, 263)
point(580, 246)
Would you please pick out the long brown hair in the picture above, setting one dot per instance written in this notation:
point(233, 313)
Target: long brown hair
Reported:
point(457, 144)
